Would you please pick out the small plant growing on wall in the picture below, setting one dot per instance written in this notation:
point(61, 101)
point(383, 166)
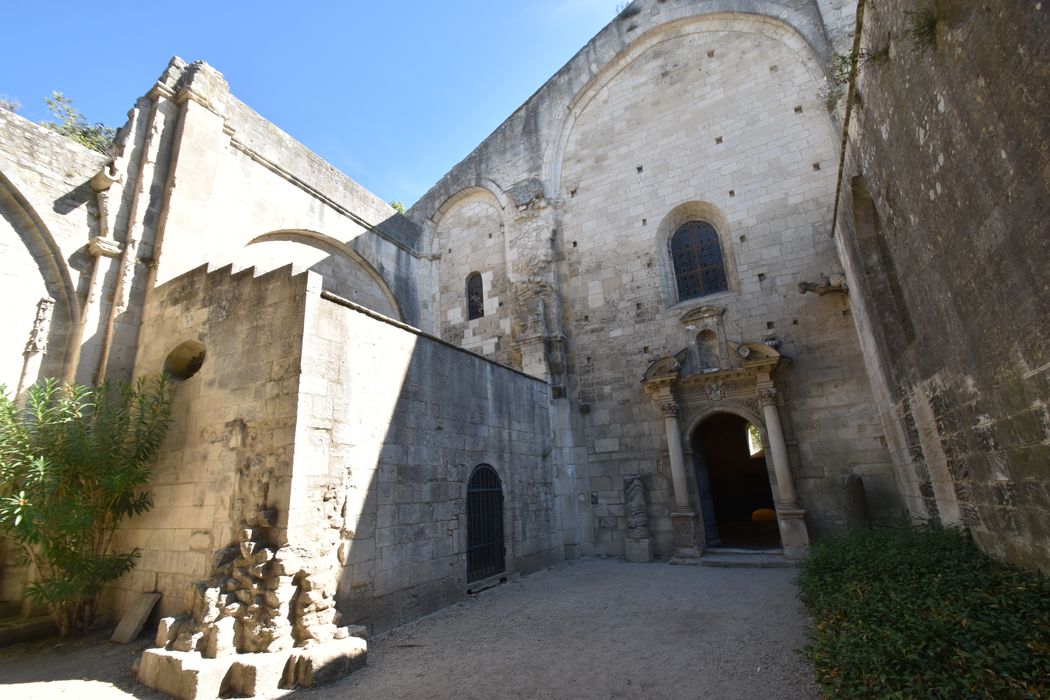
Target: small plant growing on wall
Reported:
point(73, 462)
point(73, 125)
point(842, 65)
point(921, 23)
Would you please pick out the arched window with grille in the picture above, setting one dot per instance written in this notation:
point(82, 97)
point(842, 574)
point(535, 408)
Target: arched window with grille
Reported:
point(699, 268)
point(475, 296)
point(485, 549)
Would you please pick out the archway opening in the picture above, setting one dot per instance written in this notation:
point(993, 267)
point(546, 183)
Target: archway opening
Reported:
point(735, 494)
point(486, 552)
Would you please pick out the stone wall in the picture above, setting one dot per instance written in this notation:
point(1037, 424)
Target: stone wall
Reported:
point(471, 238)
point(676, 111)
point(392, 423)
point(944, 224)
point(238, 185)
point(227, 461)
point(336, 435)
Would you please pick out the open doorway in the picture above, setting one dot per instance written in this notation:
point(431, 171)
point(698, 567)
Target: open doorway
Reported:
point(735, 494)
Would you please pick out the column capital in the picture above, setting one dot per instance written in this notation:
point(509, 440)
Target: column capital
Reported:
point(668, 406)
point(767, 397)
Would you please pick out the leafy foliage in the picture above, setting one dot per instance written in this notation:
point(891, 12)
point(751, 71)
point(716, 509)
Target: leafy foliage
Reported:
point(72, 464)
point(398, 206)
point(837, 80)
point(72, 124)
point(11, 104)
point(906, 612)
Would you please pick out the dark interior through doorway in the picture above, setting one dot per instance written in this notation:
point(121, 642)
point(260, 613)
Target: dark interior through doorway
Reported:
point(735, 494)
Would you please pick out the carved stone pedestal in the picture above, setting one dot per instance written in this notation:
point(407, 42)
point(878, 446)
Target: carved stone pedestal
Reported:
point(638, 550)
point(684, 524)
point(793, 533)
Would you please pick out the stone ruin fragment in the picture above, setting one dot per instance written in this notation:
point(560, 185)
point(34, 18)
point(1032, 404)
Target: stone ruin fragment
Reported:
point(264, 620)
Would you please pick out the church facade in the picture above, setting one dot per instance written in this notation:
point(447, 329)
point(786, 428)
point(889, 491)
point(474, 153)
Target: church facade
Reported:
point(664, 308)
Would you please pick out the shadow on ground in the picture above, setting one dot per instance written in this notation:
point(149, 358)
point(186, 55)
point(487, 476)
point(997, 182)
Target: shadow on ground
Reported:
point(591, 628)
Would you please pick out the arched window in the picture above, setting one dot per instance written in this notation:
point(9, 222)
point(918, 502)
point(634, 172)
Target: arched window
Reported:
point(696, 252)
point(475, 296)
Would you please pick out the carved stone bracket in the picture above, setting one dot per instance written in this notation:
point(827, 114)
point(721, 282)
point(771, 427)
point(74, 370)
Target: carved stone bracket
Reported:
point(102, 247)
point(827, 285)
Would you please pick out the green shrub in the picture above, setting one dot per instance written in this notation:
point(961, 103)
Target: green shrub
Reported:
point(74, 125)
point(72, 464)
point(919, 612)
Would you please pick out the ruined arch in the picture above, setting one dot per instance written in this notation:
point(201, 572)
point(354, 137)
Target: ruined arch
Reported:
point(488, 192)
point(784, 25)
point(53, 280)
point(345, 271)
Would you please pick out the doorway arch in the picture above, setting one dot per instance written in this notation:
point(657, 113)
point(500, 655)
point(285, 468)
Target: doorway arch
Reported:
point(486, 551)
point(732, 476)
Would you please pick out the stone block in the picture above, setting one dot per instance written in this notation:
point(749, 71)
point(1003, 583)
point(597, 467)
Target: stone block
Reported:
point(167, 631)
point(219, 640)
point(638, 550)
point(187, 641)
point(184, 675)
point(254, 675)
point(793, 533)
point(327, 662)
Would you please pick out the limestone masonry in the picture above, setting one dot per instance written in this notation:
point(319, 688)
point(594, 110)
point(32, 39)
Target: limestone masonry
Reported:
point(665, 308)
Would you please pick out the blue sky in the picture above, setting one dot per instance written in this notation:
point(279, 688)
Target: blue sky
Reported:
point(393, 93)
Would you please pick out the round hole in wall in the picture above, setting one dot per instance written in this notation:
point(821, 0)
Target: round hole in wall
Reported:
point(185, 360)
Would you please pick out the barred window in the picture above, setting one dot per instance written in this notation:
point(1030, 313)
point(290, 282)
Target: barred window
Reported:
point(696, 253)
point(475, 297)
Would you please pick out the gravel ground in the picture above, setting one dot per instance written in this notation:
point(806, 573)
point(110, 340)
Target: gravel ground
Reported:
point(595, 628)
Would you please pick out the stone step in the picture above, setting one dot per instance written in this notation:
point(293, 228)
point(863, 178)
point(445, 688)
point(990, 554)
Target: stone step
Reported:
point(747, 559)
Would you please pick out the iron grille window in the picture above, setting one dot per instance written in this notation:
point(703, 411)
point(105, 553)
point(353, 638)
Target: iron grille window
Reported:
point(475, 297)
point(697, 257)
point(485, 550)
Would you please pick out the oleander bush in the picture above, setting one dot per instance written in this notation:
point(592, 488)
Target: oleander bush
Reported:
point(919, 612)
point(73, 463)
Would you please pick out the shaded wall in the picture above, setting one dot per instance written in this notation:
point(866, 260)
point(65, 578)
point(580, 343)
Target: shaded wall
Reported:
point(391, 424)
point(945, 233)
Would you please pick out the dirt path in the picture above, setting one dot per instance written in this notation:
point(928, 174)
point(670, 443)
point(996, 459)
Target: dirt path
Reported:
point(588, 629)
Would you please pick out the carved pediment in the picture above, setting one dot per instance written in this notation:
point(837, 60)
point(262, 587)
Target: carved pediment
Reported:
point(700, 314)
point(665, 369)
point(751, 353)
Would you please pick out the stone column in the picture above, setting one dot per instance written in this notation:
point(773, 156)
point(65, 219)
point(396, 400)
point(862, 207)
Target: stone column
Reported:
point(791, 518)
point(674, 450)
point(767, 398)
point(683, 516)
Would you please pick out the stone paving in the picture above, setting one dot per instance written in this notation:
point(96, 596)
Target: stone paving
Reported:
point(590, 628)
